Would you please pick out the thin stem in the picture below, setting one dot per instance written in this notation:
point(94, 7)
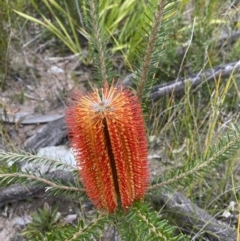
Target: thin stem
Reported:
point(150, 47)
point(199, 167)
point(40, 179)
point(150, 225)
point(90, 226)
point(97, 38)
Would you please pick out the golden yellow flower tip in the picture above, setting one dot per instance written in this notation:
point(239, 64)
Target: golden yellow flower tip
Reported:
point(106, 130)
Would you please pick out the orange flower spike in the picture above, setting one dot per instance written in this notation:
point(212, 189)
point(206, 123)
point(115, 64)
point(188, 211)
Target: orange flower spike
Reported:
point(107, 133)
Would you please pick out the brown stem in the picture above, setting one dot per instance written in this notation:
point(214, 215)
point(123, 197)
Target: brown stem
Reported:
point(150, 47)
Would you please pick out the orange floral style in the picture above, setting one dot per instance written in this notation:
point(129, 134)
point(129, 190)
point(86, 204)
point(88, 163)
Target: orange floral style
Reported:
point(106, 130)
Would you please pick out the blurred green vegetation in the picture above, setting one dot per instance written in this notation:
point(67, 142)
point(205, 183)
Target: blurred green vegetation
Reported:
point(196, 28)
point(122, 19)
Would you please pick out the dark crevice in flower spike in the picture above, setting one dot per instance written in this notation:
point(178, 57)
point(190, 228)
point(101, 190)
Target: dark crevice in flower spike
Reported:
point(112, 161)
point(106, 130)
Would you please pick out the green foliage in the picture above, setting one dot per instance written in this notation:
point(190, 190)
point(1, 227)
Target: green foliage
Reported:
point(99, 40)
point(43, 222)
point(22, 157)
point(4, 41)
point(17, 173)
point(82, 232)
point(68, 21)
point(120, 19)
point(154, 33)
point(3, 50)
point(224, 151)
point(67, 33)
point(142, 223)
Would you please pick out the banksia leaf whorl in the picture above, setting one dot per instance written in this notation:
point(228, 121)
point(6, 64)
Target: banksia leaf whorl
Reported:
point(106, 130)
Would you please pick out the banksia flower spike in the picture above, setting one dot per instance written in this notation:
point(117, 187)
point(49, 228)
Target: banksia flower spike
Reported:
point(106, 130)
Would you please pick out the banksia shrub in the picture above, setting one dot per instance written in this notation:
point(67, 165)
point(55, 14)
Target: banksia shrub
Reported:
point(106, 130)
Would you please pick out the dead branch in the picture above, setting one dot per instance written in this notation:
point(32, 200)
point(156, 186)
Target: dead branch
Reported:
point(178, 85)
point(51, 134)
point(190, 217)
point(28, 118)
